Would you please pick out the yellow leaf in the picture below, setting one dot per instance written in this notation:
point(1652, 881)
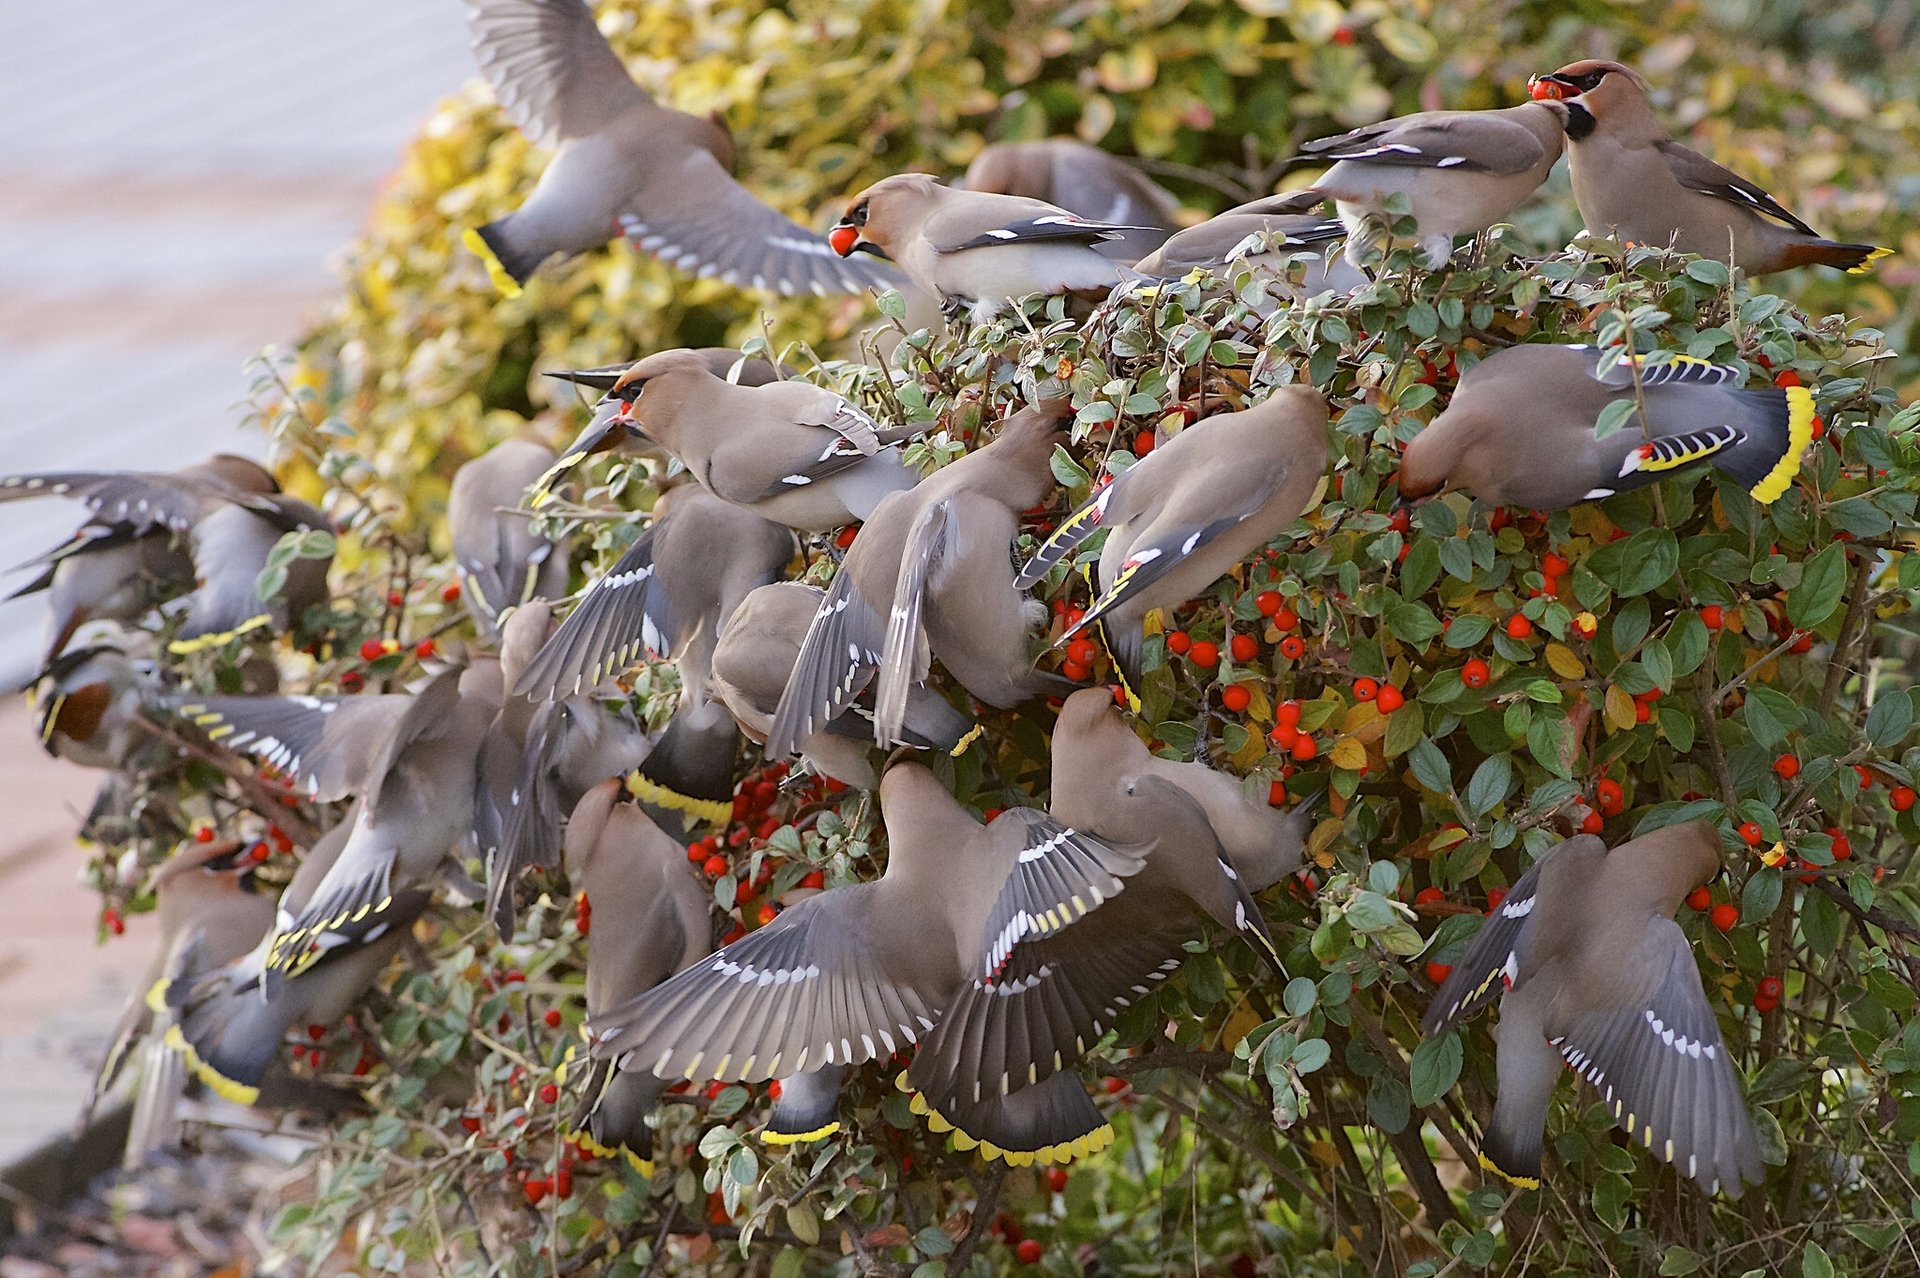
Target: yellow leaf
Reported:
point(1564, 662)
point(1242, 1023)
point(1349, 754)
point(1323, 836)
point(1619, 708)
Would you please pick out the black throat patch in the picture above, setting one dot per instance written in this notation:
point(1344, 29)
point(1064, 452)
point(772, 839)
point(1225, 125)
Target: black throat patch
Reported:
point(1580, 122)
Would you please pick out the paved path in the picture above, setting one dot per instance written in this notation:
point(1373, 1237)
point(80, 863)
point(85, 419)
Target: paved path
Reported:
point(173, 177)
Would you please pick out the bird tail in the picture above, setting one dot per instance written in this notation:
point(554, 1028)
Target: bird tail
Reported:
point(1052, 1121)
point(807, 1108)
point(1513, 1156)
point(613, 1120)
point(1855, 259)
point(687, 778)
point(507, 266)
point(226, 1034)
point(155, 1126)
point(1778, 427)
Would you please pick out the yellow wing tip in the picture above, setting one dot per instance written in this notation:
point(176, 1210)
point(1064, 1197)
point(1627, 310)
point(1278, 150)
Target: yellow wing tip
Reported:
point(711, 811)
point(200, 643)
point(472, 241)
point(974, 733)
point(1518, 1182)
point(1866, 267)
point(1799, 436)
point(800, 1138)
point(156, 997)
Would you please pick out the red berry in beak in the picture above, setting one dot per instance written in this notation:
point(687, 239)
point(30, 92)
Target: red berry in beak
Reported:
point(843, 237)
point(1545, 90)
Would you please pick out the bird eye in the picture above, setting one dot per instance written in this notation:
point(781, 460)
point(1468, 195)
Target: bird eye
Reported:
point(1591, 81)
point(859, 215)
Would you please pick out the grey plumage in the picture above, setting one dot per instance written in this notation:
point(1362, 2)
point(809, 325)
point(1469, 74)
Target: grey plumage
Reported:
point(503, 561)
point(1256, 234)
point(1085, 181)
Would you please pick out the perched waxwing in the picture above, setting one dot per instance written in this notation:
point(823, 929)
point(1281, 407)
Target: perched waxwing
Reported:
point(537, 760)
point(621, 160)
point(609, 430)
point(231, 1024)
point(687, 780)
point(1262, 238)
point(210, 914)
point(669, 594)
point(1591, 972)
point(88, 704)
point(1190, 510)
point(976, 249)
point(755, 658)
point(228, 511)
point(1633, 182)
point(930, 572)
point(1519, 431)
point(795, 453)
point(857, 973)
point(502, 560)
point(1461, 172)
point(330, 745)
point(652, 917)
point(1083, 180)
point(419, 805)
point(1058, 973)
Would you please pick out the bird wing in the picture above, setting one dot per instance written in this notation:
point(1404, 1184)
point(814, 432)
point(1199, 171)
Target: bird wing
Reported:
point(806, 990)
point(395, 786)
point(843, 648)
point(622, 615)
point(700, 220)
point(1474, 141)
point(900, 658)
point(353, 910)
point(136, 499)
point(778, 458)
point(552, 71)
point(1658, 1060)
point(1678, 370)
point(1697, 173)
point(1058, 876)
point(817, 406)
point(1491, 964)
point(960, 229)
point(523, 796)
point(1066, 539)
point(329, 743)
point(1150, 560)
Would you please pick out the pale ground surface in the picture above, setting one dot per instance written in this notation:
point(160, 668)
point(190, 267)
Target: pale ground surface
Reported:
point(173, 177)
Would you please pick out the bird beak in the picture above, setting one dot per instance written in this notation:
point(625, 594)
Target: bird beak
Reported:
point(1550, 88)
point(600, 379)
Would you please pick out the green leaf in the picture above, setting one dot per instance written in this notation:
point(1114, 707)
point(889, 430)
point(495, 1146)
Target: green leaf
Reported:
point(1311, 1055)
point(1489, 784)
point(1300, 996)
point(1823, 579)
point(1370, 912)
point(1421, 569)
point(1068, 471)
point(1819, 922)
point(1435, 1068)
point(1678, 1260)
point(1430, 767)
point(1814, 1262)
point(1760, 897)
point(1412, 623)
point(1890, 719)
point(1468, 628)
point(1614, 417)
point(1634, 565)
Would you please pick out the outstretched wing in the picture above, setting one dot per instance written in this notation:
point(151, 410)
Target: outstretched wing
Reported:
point(926, 542)
point(327, 743)
point(1491, 964)
point(623, 615)
point(843, 648)
point(551, 70)
point(1066, 539)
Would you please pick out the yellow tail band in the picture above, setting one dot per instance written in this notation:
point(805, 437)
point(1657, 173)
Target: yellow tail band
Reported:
point(800, 1138)
point(1519, 1182)
point(712, 811)
point(1799, 435)
point(974, 733)
point(222, 1086)
point(1867, 265)
point(1057, 1152)
point(181, 647)
point(508, 286)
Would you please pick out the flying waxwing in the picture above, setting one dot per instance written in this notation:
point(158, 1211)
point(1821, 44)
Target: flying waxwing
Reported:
point(231, 1024)
point(669, 595)
point(1591, 971)
point(1085, 181)
point(661, 176)
point(230, 514)
point(1520, 429)
point(418, 806)
point(1462, 171)
point(330, 745)
point(856, 973)
point(975, 249)
point(610, 431)
point(210, 914)
point(502, 560)
point(1058, 974)
point(1253, 233)
point(930, 571)
point(1633, 182)
point(755, 658)
point(792, 452)
point(88, 704)
point(536, 762)
point(1189, 511)
point(653, 917)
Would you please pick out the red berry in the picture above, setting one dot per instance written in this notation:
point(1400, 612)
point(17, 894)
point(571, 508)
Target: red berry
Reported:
point(549, 1094)
point(1365, 689)
point(1244, 647)
point(1284, 735)
point(1344, 36)
point(1304, 747)
point(1115, 1086)
point(697, 851)
point(1074, 671)
point(1178, 642)
point(1286, 619)
point(1713, 616)
point(1428, 894)
point(715, 866)
point(1763, 1004)
point(536, 1190)
point(1700, 898)
point(203, 835)
point(844, 538)
point(1437, 973)
point(1750, 834)
point(1030, 1250)
point(1277, 794)
point(470, 1122)
point(1786, 377)
point(1724, 916)
point(1518, 627)
point(1841, 848)
point(1081, 651)
point(1057, 1179)
point(1143, 443)
point(563, 1181)
point(1235, 698)
point(1390, 699)
point(1293, 647)
point(1287, 712)
point(1495, 897)
point(352, 679)
point(1401, 522)
point(1642, 712)
point(424, 649)
point(1592, 823)
point(814, 879)
point(766, 913)
point(1204, 654)
point(1268, 602)
point(1902, 798)
point(1803, 643)
point(1554, 566)
point(1787, 767)
point(1610, 796)
point(1769, 987)
point(372, 650)
point(395, 599)
point(1866, 777)
point(450, 592)
point(513, 976)
point(1475, 673)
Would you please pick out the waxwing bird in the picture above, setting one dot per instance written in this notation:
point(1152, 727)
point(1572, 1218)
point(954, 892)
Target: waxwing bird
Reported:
point(856, 973)
point(609, 431)
point(661, 176)
point(537, 760)
point(418, 806)
point(1461, 171)
point(976, 249)
point(1591, 971)
point(791, 452)
point(1520, 429)
point(755, 658)
point(503, 560)
point(688, 778)
point(1083, 180)
point(653, 918)
point(210, 914)
point(929, 573)
point(231, 1024)
point(668, 595)
point(330, 745)
point(1056, 978)
point(1189, 511)
point(88, 704)
point(1634, 183)
point(1257, 235)
point(228, 513)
